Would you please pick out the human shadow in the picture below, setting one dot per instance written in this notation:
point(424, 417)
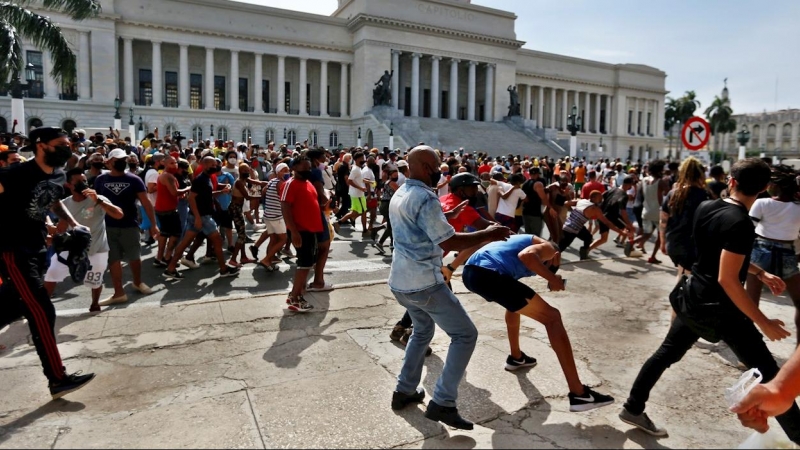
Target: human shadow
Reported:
point(54, 407)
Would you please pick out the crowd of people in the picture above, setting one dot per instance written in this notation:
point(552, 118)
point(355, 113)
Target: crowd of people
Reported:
point(727, 234)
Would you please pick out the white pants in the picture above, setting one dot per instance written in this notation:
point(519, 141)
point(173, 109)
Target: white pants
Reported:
point(59, 272)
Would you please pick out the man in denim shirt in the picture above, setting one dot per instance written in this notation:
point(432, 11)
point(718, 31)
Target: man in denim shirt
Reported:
point(421, 236)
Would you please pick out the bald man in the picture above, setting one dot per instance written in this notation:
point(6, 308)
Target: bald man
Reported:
point(421, 236)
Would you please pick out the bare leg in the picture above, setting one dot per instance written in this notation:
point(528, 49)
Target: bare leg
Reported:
point(162, 246)
point(115, 268)
point(793, 287)
point(136, 271)
point(512, 325)
point(602, 240)
point(188, 240)
point(275, 244)
point(51, 287)
point(319, 269)
point(96, 299)
point(216, 240)
point(299, 286)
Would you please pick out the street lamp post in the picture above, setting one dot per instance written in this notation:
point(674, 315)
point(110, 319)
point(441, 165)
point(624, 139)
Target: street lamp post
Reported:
point(17, 103)
point(763, 151)
point(574, 123)
point(117, 117)
point(391, 137)
point(131, 125)
point(600, 147)
point(141, 129)
point(285, 138)
point(212, 133)
point(743, 137)
point(359, 136)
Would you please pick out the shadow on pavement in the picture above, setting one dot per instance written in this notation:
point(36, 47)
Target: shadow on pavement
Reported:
point(53, 407)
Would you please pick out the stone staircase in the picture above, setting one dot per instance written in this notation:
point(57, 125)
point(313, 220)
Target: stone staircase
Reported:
point(513, 135)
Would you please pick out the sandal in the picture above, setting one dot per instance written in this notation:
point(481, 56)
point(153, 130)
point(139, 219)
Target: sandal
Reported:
point(326, 288)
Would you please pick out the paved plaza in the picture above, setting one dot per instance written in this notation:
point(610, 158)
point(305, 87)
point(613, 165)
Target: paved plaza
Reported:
point(244, 372)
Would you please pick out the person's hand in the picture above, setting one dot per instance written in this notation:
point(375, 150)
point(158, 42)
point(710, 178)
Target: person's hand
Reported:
point(774, 330)
point(198, 224)
point(498, 232)
point(297, 241)
point(447, 274)
point(226, 188)
point(455, 212)
point(90, 193)
point(762, 402)
point(775, 284)
point(155, 232)
point(557, 284)
point(664, 248)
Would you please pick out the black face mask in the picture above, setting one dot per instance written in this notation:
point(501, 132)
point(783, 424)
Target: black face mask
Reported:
point(303, 175)
point(98, 165)
point(58, 157)
point(473, 201)
point(395, 179)
point(133, 166)
point(435, 177)
point(120, 165)
point(80, 187)
point(213, 170)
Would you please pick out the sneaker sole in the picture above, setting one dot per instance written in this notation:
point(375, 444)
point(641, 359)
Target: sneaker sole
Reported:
point(171, 277)
point(589, 406)
point(298, 310)
point(639, 427)
point(70, 391)
point(510, 368)
point(116, 301)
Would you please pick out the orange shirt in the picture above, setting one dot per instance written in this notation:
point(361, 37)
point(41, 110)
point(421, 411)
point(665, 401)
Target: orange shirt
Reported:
point(580, 174)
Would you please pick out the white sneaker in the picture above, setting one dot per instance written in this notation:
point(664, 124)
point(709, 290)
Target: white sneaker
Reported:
point(113, 300)
point(143, 289)
point(189, 263)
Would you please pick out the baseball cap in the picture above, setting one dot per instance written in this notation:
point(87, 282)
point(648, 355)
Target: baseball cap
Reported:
point(117, 154)
point(402, 163)
point(464, 180)
point(280, 167)
point(499, 169)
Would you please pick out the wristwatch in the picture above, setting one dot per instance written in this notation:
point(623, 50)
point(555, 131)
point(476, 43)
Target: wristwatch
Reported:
point(450, 268)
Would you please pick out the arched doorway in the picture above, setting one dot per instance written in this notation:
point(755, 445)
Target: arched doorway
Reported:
point(69, 125)
point(34, 122)
point(369, 139)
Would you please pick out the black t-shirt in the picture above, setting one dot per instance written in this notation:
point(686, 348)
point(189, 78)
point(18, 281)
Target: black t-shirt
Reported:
point(533, 207)
point(717, 187)
point(615, 202)
point(718, 226)
point(341, 175)
point(28, 196)
point(680, 225)
point(204, 191)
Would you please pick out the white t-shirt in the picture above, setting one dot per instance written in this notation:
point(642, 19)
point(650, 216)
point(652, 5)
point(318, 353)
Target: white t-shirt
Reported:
point(151, 177)
point(508, 206)
point(401, 179)
point(631, 197)
point(357, 177)
point(776, 220)
point(369, 177)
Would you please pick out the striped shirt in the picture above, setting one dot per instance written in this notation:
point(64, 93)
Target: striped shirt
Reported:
point(271, 201)
point(577, 218)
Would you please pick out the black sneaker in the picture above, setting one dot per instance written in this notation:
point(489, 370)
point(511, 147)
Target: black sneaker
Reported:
point(229, 273)
point(513, 364)
point(400, 400)
point(172, 275)
point(448, 416)
point(70, 384)
point(254, 251)
point(159, 263)
point(584, 253)
point(588, 401)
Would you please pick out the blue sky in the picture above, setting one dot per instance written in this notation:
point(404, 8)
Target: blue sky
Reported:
point(697, 43)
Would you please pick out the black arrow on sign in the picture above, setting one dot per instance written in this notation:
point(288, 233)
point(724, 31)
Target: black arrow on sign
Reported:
point(696, 132)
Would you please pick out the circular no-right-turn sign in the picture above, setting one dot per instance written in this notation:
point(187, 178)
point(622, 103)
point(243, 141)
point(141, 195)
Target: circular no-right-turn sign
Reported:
point(696, 133)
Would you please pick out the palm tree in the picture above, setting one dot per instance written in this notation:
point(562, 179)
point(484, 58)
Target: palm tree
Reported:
point(680, 111)
point(670, 117)
point(688, 105)
point(719, 117)
point(17, 22)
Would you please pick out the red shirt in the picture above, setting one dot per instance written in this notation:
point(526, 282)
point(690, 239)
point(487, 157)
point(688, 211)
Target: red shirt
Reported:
point(591, 186)
point(302, 197)
point(484, 169)
point(467, 217)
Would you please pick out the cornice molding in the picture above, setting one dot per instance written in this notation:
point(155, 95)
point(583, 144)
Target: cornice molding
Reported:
point(362, 20)
point(228, 5)
point(590, 83)
point(432, 52)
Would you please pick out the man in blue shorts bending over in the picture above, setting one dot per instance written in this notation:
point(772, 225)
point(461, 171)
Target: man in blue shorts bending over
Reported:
point(494, 271)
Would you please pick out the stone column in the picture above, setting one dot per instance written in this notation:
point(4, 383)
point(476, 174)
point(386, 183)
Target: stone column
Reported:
point(488, 114)
point(564, 109)
point(597, 113)
point(587, 108)
point(528, 102)
point(258, 91)
point(343, 91)
point(540, 107)
point(84, 68)
point(183, 77)
point(233, 101)
point(552, 107)
point(471, 79)
point(453, 89)
point(303, 82)
point(323, 88)
point(636, 122)
point(127, 67)
point(415, 84)
point(435, 86)
point(158, 76)
point(281, 85)
point(209, 79)
point(395, 79)
point(608, 114)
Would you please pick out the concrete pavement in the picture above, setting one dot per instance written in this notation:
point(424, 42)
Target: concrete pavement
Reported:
point(247, 373)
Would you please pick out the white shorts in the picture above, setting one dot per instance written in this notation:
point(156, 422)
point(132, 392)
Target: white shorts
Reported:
point(59, 272)
point(649, 226)
point(275, 226)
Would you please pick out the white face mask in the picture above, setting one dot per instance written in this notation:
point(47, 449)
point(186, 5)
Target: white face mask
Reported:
point(232, 161)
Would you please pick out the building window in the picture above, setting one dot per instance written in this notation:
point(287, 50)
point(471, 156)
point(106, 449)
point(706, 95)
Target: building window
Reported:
point(312, 139)
point(291, 137)
point(308, 98)
point(3, 125)
point(69, 125)
point(333, 140)
point(34, 123)
point(197, 133)
point(37, 89)
point(246, 134)
point(649, 117)
point(222, 134)
point(639, 123)
point(265, 95)
point(243, 94)
point(270, 135)
point(328, 101)
point(219, 93)
point(145, 87)
point(196, 91)
point(287, 101)
point(170, 129)
point(171, 89)
point(630, 122)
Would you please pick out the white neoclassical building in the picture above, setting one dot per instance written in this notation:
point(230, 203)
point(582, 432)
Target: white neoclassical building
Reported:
point(233, 70)
point(772, 133)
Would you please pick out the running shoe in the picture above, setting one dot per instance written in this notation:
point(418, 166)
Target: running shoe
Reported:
point(230, 273)
point(190, 263)
point(70, 384)
point(172, 275)
point(300, 305)
point(397, 332)
point(159, 263)
point(513, 364)
point(254, 251)
point(588, 401)
point(642, 422)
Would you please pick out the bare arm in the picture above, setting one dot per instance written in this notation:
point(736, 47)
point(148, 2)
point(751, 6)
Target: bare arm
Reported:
point(533, 256)
point(508, 194)
point(63, 214)
point(170, 183)
point(148, 209)
point(241, 186)
point(463, 241)
point(539, 189)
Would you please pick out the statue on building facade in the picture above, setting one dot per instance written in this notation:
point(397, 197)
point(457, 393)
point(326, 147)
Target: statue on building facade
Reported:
point(513, 108)
point(382, 94)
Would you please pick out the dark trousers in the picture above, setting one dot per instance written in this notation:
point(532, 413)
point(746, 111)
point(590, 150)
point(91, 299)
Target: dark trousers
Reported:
point(741, 336)
point(568, 237)
point(405, 322)
point(344, 205)
point(384, 210)
point(23, 294)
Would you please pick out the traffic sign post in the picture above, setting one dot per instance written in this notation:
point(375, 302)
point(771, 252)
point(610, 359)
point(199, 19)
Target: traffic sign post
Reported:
point(695, 134)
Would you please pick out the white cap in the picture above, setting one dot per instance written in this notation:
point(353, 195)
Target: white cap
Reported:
point(281, 167)
point(402, 163)
point(117, 154)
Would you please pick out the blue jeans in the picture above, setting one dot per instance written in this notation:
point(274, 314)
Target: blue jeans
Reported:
point(183, 213)
point(437, 305)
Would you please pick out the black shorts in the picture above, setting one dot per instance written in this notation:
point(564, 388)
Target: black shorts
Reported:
point(307, 254)
point(615, 220)
point(169, 224)
point(495, 287)
point(223, 219)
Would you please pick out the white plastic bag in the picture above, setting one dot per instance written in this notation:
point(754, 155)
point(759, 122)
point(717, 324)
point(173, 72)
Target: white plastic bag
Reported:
point(775, 437)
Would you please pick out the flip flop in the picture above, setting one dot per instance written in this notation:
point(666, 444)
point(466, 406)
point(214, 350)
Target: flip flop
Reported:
point(327, 288)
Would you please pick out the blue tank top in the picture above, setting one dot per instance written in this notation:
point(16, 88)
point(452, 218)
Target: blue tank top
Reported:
point(502, 257)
